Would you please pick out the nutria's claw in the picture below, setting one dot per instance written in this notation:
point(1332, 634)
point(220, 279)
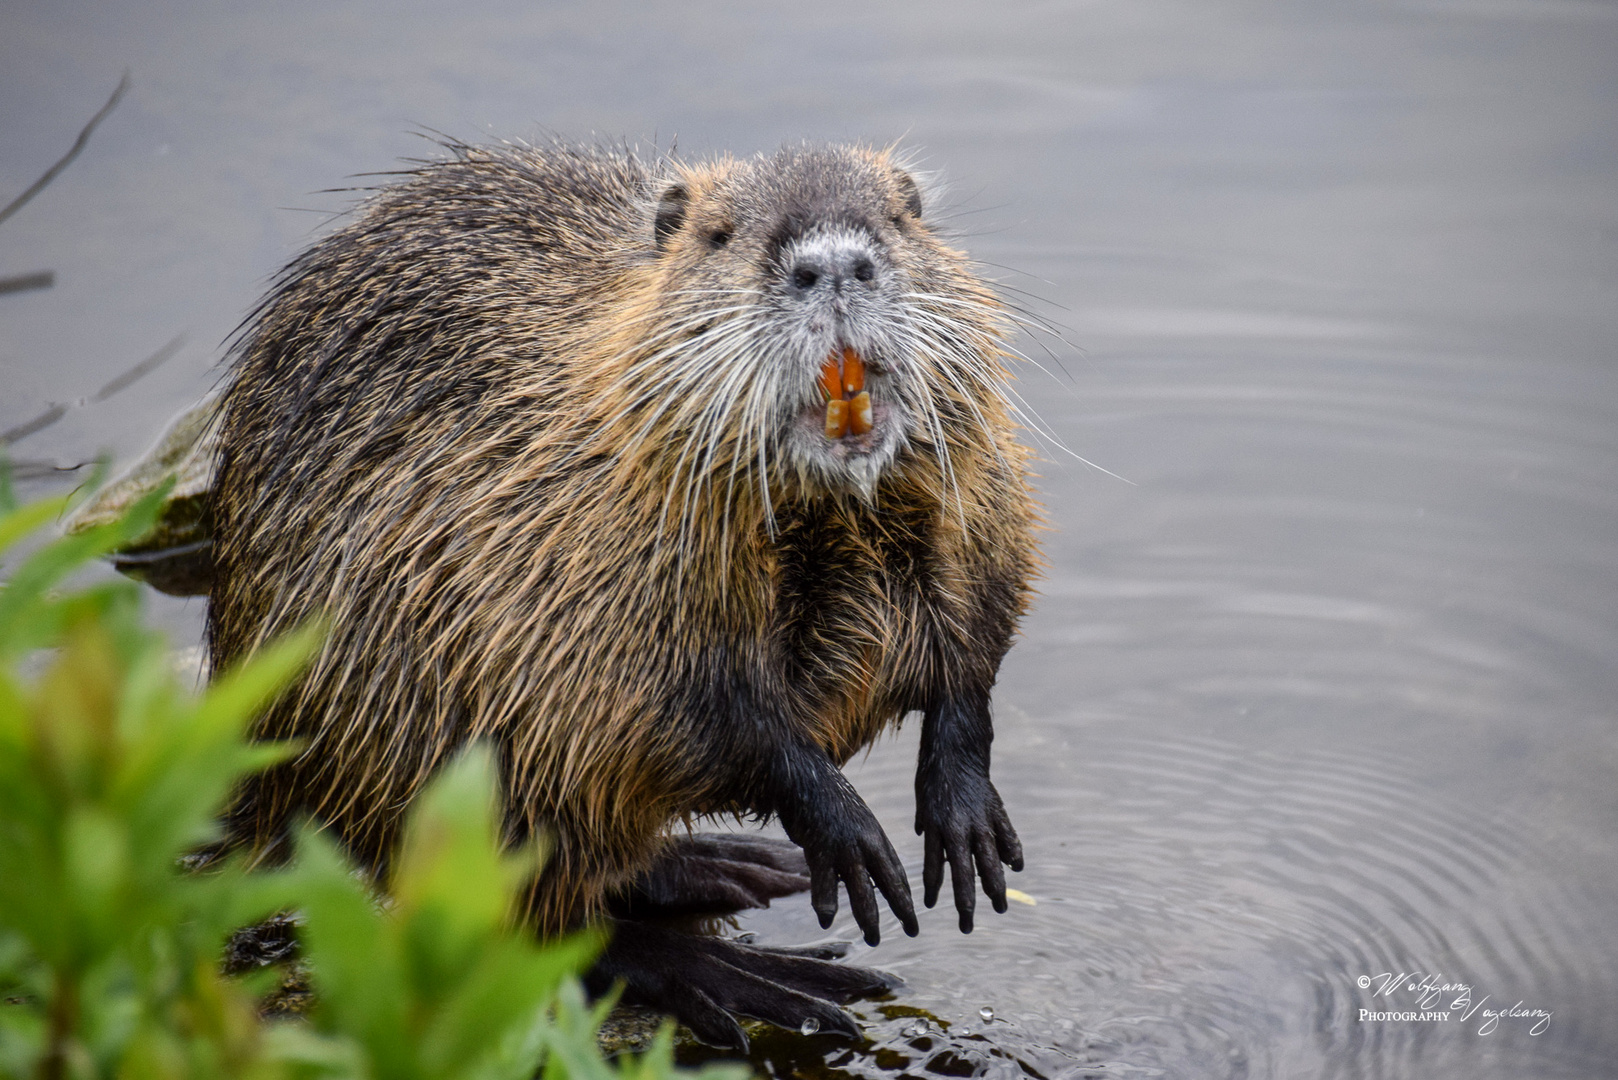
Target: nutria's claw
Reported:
point(841, 839)
point(965, 823)
point(715, 872)
point(702, 981)
point(858, 854)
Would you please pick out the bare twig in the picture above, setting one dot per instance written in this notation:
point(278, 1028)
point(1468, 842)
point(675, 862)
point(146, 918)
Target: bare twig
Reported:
point(78, 144)
point(42, 279)
point(140, 370)
point(122, 382)
point(32, 469)
point(38, 423)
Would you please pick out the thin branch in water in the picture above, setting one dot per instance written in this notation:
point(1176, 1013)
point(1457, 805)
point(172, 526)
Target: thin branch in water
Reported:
point(78, 144)
point(29, 469)
point(122, 382)
point(29, 427)
point(140, 370)
point(43, 279)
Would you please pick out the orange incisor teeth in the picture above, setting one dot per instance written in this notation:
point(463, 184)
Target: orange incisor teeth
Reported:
point(853, 373)
point(836, 418)
point(859, 422)
point(848, 406)
point(831, 381)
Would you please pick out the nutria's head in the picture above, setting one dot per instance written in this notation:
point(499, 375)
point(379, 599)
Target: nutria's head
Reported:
point(812, 323)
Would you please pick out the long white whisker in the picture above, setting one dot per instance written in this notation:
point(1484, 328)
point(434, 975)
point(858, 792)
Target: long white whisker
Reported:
point(1028, 417)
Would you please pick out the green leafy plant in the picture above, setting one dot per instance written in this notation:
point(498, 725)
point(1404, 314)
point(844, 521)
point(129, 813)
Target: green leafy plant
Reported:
point(111, 771)
point(433, 984)
point(108, 772)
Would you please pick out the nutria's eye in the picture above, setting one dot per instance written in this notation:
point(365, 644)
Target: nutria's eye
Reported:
point(719, 237)
point(670, 214)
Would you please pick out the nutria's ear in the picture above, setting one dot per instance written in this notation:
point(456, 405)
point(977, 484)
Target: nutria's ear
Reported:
point(912, 193)
point(670, 214)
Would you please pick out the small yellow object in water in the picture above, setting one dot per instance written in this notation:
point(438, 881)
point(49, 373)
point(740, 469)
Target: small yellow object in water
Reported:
point(1021, 897)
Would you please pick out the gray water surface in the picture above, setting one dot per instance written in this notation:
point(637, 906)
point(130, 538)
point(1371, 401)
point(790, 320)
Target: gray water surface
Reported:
point(1322, 689)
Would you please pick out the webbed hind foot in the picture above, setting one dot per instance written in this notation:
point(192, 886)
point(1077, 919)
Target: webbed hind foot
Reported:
point(706, 982)
point(711, 873)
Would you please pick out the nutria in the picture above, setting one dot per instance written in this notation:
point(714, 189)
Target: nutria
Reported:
point(680, 483)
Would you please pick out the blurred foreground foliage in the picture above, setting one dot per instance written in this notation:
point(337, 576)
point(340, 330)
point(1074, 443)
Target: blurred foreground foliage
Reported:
point(111, 771)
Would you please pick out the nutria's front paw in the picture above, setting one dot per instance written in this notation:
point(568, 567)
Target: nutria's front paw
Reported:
point(715, 872)
point(703, 981)
point(851, 847)
point(963, 821)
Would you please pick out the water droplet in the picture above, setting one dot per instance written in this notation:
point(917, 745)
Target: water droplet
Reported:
point(987, 1014)
point(809, 1026)
point(915, 1030)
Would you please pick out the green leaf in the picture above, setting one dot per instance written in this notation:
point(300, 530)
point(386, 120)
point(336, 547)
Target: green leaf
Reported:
point(355, 961)
point(236, 695)
point(18, 522)
point(316, 1054)
point(26, 590)
point(451, 884)
point(502, 998)
point(96, 856)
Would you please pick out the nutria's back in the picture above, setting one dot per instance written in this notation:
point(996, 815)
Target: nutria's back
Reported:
point(551, 436)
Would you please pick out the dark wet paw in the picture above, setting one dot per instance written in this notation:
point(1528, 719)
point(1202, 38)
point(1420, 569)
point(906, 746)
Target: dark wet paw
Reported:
point(850, 847)
point(706, 982)
point(708, 873)
point(964, 824)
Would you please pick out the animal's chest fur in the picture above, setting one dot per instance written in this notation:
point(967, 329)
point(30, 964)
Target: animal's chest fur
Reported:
point(852, 627)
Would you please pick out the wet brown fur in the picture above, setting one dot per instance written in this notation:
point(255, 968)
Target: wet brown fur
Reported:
point(440, 432)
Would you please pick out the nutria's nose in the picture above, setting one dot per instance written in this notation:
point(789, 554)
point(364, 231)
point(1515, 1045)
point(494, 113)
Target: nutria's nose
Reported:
point(830, 267)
